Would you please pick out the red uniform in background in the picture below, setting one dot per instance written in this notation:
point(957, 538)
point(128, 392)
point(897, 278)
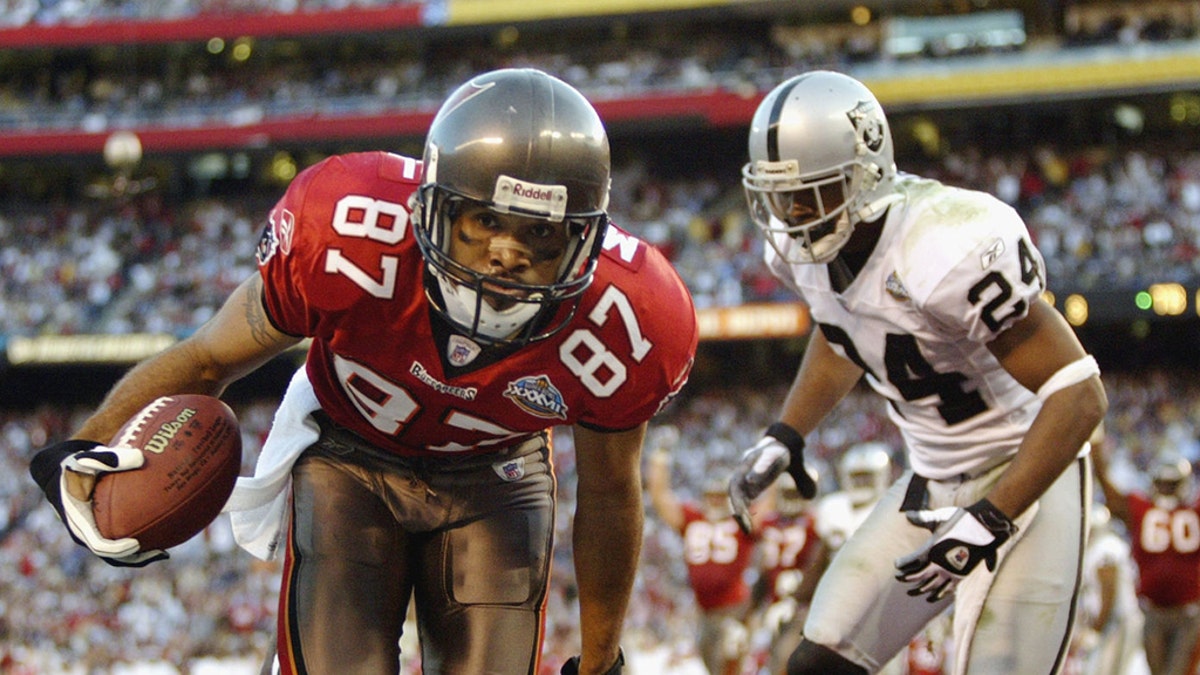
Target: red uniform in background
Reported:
point(717, 554)
point(788, 544)
point(1166, 548)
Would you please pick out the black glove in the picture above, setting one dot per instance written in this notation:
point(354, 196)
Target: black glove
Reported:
point(571, 667)
point(962, 538)
point(49, 467)
point(781, 449)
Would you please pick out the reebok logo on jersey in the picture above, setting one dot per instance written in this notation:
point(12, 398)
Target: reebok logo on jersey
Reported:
point(991, 254)
point(895, 288)
point(538, 397)
point(510, 469)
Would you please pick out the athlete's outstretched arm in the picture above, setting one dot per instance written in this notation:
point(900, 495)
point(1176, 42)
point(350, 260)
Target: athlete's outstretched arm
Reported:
point(235, 341)
point(1116, 501)
point(658, 485)
point(1033, 350)
point(607, 537)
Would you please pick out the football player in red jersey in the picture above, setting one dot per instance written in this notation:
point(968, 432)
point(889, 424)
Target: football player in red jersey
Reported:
point(718, 555)
point(793, 557)
point(1164, 533)
point(459, 307)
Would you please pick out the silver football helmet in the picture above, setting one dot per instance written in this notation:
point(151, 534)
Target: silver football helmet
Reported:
point(821, 160)
point(788, 500)
point(517, 141)
point(865, 472)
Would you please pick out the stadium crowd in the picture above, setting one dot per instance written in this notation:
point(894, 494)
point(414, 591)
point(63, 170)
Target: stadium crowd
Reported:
point(93, 92)
point(1103, 220)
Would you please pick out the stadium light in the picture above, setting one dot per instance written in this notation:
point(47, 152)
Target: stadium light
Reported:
point(1168, 299)
point(1075, 309)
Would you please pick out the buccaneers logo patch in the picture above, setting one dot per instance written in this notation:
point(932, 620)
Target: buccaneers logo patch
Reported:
point(267, 245)
point(537, 396)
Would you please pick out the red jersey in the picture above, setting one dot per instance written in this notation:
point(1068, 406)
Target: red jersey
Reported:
point(1166, 548)
point(788, 543)
point(717, 556)
point(341, 265)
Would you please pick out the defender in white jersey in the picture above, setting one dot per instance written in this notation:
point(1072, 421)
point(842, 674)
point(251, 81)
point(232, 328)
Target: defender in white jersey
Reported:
point(934, 294)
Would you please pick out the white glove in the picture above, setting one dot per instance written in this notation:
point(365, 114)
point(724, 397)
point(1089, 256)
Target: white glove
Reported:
point(962, 538)
point(49, 469)
point(781, 449)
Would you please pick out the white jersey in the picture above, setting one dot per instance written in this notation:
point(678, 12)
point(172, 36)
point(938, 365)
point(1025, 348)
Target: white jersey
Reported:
point(1117, 648)
point(838, 517)
point(952, 269)
point(1106, 548)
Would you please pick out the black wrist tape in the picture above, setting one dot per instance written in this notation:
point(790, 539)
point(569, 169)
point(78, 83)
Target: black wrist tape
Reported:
point(790, 438)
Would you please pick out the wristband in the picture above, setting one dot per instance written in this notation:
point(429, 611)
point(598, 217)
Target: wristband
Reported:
point(993, 518)
point(791, 439)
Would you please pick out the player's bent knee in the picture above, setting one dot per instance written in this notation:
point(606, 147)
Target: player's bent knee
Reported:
point(811, 658)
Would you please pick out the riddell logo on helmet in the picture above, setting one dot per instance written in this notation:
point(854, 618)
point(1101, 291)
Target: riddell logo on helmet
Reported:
point(548, 199)
point(531, 192)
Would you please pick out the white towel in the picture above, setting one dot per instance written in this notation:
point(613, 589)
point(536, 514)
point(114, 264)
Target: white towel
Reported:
point(258, 506)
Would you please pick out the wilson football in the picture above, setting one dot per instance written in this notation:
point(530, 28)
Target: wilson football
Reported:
point(193, 450)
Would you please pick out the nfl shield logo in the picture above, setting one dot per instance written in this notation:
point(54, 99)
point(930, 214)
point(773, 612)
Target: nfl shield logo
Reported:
point(461, 351)
point(511, 469)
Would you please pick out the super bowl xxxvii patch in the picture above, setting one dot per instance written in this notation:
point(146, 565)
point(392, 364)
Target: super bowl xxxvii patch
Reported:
point(510, 469)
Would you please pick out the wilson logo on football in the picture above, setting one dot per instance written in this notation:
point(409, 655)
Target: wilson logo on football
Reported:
point(537, 396)
point(158, 442)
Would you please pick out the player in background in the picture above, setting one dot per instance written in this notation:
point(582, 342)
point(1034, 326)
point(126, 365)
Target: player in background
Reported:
point(460, 306)
point(1108, 640)
point(1164, 533)
point(717, 554)
point(934, 294)
point(790, 559)
point(864, 473)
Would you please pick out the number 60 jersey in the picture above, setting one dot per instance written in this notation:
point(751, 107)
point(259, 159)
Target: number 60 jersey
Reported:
point(952, 269)
point(340, 264)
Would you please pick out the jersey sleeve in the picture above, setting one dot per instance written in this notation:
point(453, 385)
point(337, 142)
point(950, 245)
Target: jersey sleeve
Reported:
point(321, 248)
point(284, 254)
point(974, 271)
point(645, 321)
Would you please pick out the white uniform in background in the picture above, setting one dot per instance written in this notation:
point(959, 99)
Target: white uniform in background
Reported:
point(1116, 647)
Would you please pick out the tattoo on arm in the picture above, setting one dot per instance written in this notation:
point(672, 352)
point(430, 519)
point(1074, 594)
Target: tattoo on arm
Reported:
point(256, 316)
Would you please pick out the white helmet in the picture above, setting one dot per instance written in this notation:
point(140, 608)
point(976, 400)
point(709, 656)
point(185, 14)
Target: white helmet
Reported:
point(788, 500)
point(821, 160)
point(865, 471)
point(1172, 478)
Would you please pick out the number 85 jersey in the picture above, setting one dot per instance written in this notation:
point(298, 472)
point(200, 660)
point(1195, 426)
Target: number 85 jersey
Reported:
point(952, 269)
point(340, 264)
